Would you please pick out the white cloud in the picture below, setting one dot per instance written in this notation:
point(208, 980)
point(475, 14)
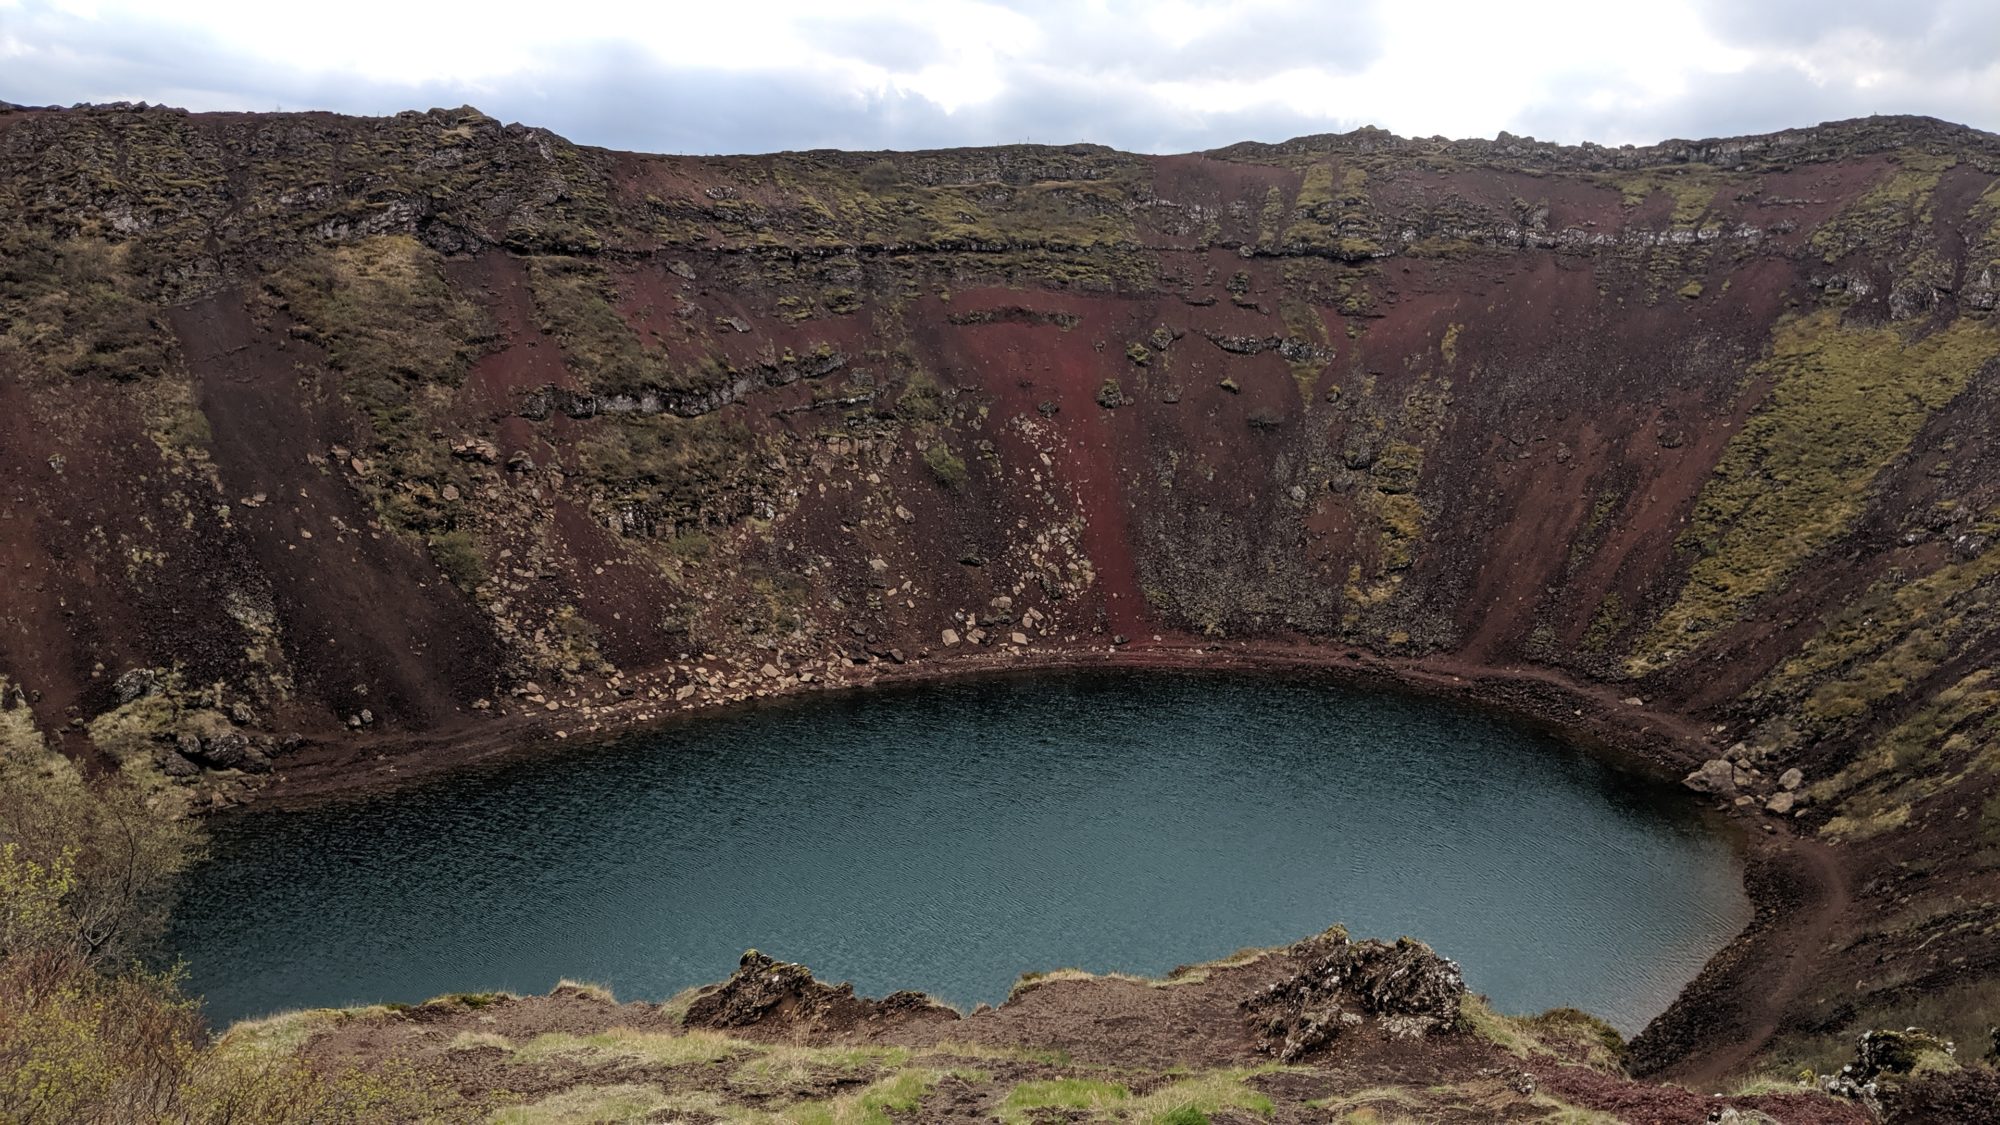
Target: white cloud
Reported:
point(761, 74)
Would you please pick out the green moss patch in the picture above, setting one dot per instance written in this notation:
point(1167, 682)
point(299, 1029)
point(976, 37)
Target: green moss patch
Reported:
point(1844, 403)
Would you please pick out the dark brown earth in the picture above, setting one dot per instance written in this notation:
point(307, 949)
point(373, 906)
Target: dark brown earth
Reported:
point(1192, 1028)
point(375, 446)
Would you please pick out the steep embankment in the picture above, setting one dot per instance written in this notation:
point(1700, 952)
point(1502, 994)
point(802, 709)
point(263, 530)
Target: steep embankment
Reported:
point(329, 440)
point(1322, 1030)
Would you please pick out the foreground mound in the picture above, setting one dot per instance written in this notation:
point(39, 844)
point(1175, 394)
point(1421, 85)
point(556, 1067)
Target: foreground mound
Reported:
point(1359, 1031)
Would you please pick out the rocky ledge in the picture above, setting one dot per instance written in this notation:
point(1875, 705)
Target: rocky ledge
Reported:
point(1364, 1031)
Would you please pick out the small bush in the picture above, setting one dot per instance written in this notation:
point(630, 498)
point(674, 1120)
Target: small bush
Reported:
point(457, 554)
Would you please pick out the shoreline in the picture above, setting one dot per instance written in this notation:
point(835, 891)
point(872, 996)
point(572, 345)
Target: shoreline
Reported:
point(1796, 886)
point(1594, 717)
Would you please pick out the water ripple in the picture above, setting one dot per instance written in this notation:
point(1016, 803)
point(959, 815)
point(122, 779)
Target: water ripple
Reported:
point(948, 838)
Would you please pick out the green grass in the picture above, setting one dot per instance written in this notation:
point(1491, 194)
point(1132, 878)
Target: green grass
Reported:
point(1089, 1095)
point(1692, 189)
point(458, 555)
point(1844, 403)
point(781, 1068)
point(574, 303)
point(629, 1047)
point(587, 1105)
point(1206, 1095)
point(1887, 640)
point(1887, 212)
point(898, 1093)
point(1504, 1032)
point(589, 989)
point(1875, 791)
point(1364, 1105)
point(282, 1034)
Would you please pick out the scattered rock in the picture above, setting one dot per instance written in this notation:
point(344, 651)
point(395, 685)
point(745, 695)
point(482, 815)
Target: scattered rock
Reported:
point(949, 637)
point(1791, 778)
point(135, 684)
point(1781, 804)
point(224, 752)
point(1735, 1116)
point(1717, 776)
point(477, 449)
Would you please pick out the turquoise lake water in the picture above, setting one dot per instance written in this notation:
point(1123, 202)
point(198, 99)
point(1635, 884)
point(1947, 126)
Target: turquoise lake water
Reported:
point(950, 837)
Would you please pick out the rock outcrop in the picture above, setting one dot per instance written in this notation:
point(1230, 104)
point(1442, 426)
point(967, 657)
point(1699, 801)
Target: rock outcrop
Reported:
point(1405, 988)
point(782, 996)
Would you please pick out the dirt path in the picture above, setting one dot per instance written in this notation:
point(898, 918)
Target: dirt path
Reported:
point(1796, 946)
point(341, 765)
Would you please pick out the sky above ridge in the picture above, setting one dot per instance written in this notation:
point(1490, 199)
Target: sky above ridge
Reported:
point(765, 75)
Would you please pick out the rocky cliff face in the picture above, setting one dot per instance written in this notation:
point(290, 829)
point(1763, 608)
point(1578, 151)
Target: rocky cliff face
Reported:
point(325, 430)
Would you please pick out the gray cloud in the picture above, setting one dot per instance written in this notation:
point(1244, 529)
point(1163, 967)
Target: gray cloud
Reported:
point(630, 106)
point(1968, 30)
point(1255, 40)
point(888, 43)
point(1938, 58)
point(1087, 81)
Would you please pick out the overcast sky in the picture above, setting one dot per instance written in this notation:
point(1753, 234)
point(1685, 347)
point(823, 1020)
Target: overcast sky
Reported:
point(763, 75)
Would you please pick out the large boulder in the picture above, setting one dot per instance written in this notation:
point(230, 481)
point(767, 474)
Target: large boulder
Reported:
point(1717, 776)
point(229, 751)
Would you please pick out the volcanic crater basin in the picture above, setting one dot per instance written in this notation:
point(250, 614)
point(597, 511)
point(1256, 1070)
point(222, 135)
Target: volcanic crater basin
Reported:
point(949, 837)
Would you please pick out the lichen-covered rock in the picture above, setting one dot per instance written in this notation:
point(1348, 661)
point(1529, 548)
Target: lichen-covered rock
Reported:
point(1408, 988)
point(1885, 1054)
